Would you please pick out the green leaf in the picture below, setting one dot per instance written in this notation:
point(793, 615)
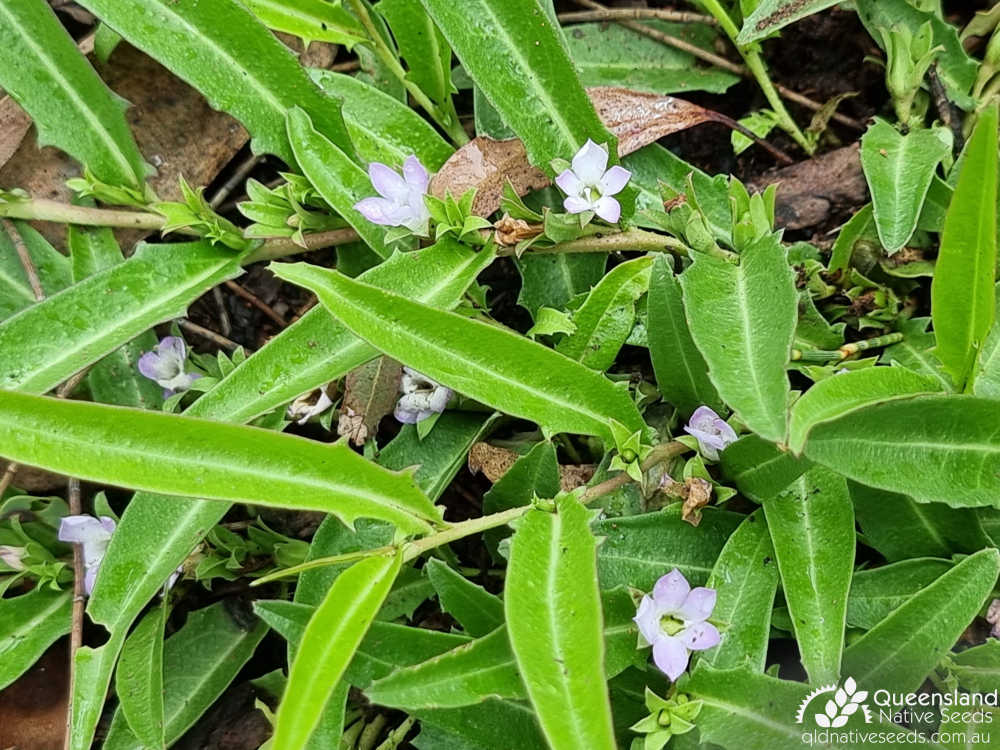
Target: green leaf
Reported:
point(900, 528)
point(634, 551)
point(222, 50)
point(916, 352)
point(899, 652)
point(52, 267)
point(330, 640)
point(29, 624)
point(479, 360)
point(477, 611)
point(605, 318)
point(759, 469)
point(681, 372)
point(850, 391)
point(742, 318)
point(516, 57)
point(91, 250)
point(489, 725)
point(199, 662)
point(41, 68)
point(310, 20)
point(899, 169)
point(812, 527)
point(978, 668)
point(551, 280)
point(382, 128)
point(116, 378)
point(876, 592)
point(771, 15)
point(440, 455)
point(536, 473)
point(554, 618)
point(422, 46)
point(933, 448)
point(962, 296)
point(205, 459)
point(140, 679)
point(613, 55)
point(340, 181)
point(986, 382)
point(50, 341)
point(746, 579)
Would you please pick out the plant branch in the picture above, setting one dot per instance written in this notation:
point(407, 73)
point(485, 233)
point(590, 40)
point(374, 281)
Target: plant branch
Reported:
point(636, 14)
point(25, 258)
point(632, 239)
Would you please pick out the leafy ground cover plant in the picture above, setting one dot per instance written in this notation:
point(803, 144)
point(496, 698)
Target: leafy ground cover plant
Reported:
point(551, 438)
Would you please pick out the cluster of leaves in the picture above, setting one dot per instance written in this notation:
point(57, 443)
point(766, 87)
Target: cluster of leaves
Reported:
point(857, 513)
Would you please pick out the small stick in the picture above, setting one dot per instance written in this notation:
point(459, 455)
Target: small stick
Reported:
point(8, 477)
point(222, 341)
point(220, 303)
point(346, 67)
point(256, 302)
point(25, 256)
point(237, 177)
point(721, 62)
point(636, 14)
point(79, 602)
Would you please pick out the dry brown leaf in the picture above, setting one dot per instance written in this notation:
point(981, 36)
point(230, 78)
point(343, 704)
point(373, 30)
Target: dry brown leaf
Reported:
point(370, 392)
point(635, 118)
point(573, 476)
point(697, 493)
point(491, 460)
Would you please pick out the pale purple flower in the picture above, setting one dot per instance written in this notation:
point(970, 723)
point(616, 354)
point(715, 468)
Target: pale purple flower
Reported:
point(309, 405)
point(11, 556)
point(94, 535)
point(993, 617)
point(673, 621)
point(589, 184)
point(402, 201)
point(421, 397)
point(712, 431)
point(165, 365)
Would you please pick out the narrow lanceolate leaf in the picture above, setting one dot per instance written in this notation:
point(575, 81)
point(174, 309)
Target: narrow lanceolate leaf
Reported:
point(29, 624)
point(812, 527)
point(330, 640)
point(746, 579)
point(177, 455)
point(771, 15)
point(987, 379)
point(850, 391)
point(383, 128)
point(962, 298)
point(340, 181)
point(52, 267)
point(480, 360)
point(759, 469)
point(516, 57)
point(933, 448)
point(199, 662)
point(231, 58)
point(899, 169)
point(478, 611)
point(605, 319)
point(554, 616)
point(41, 68)
point(978, 668)
point(422, 46)
point(48, 342)
point(876, 592)
point(742, 318)
point(140, 679)
point(899, 652)
point(310, 20)
point(681, 372)
point(757, 712)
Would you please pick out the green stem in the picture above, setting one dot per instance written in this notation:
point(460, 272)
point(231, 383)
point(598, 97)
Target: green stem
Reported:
point(448, 120)
point(632, 239)
point(755, 64)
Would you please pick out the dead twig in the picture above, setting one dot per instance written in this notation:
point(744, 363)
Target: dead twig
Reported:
point(207, 333)
point(220, 304)
point(79, 600)
point(721, 62)
point(636, 14)
point(346, 67)
point(234, 180)
point(25, 257)
point(254, 300)
point(8, 477)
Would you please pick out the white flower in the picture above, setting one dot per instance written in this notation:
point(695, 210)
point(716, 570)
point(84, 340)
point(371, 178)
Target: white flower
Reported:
point(165, 365)
point(712, 431)
point(402, 202)
point(94, 535)
point(589, 184)
point(421, 397)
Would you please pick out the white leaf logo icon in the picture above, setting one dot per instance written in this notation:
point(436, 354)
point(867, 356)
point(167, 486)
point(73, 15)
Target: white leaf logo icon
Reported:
point(823, 721)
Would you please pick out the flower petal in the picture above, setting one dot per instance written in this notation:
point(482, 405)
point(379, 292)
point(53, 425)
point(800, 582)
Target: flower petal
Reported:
point(614, 180)
point(90, 578)
point(82, 530)
point(671, 591)
point(404, 415)
point(698, 605)
point(415, 174)
point(608, 209)
point(670, 656)
point(439, 399)
point(576, 205)
point(590, 162)
point(378, 210)
point(700, 636)
point(569, 183)
point(150, 367)
point(387, 182)
point(172, 347)
point(647, 619)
